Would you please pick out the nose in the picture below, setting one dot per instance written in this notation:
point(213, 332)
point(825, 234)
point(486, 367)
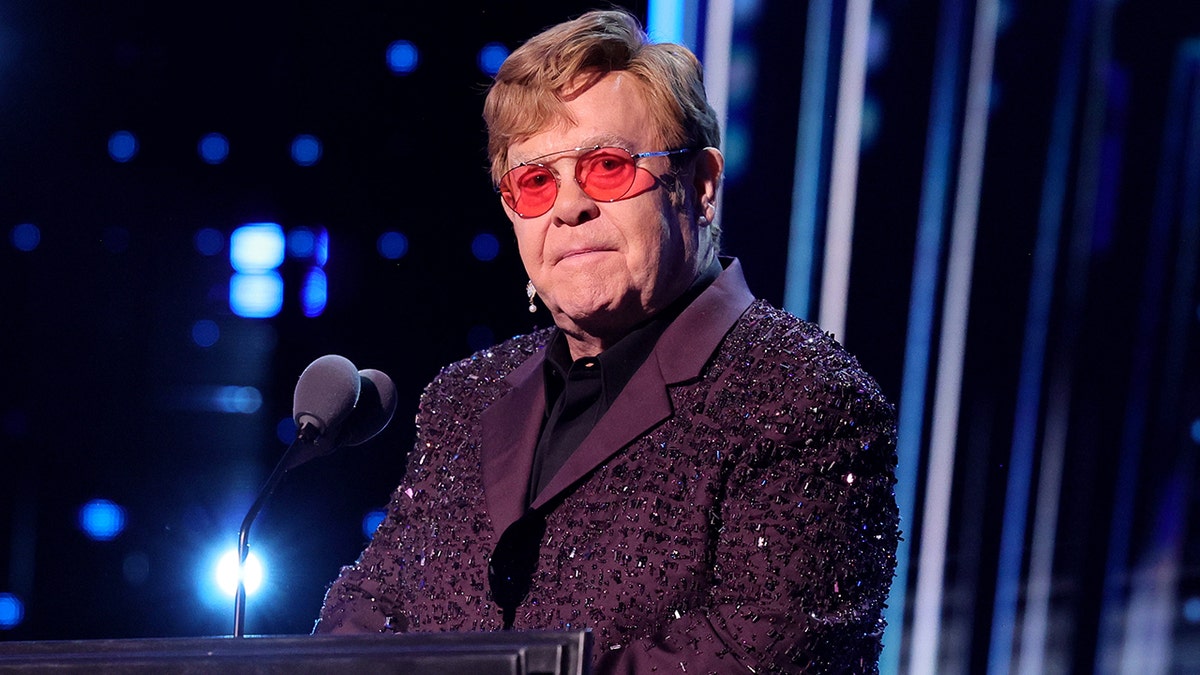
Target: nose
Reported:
point(573, 206)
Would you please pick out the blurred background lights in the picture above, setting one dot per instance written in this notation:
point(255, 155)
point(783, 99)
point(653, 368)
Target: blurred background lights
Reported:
point(306, 150)
point(491, 56)
point(285, 431)
point(371, 521)
point(402, 57)
point(205, 333)
point(315, 292)
point(1196, 431)
point(301, 243)
point(392, 245)
point(227, 573)
point(256, 295)
point(1191, 609)
point(256, 247)
point(209, 241)
point(213, 148)
point(12, 611)
point(235, 399)
point(101, 519)
point(321, 249)
point(485, 246)
point(26, 236)
point(122, 146)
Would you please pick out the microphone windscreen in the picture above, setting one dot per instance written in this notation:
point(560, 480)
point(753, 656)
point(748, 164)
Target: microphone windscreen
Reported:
point(326, 394)
point(376, 404)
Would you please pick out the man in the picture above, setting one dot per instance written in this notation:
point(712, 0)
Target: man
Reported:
point(702, 480)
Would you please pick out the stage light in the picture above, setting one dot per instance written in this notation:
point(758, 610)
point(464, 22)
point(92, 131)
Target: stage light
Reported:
point(491, 56)
point(665, 21)
point(227, 573)
point(301, 243)
point(315, 292)
point(205, 333)
point(285, 431)
point(26, 237)
point(485, 246)
point(101, 519)
point(234, 399)
point(209, 241)
point(392, 245)
point(321, 253)
point(1196, 431)
point(257, 295)
point(402, 57)
point(213, 148)
point(12, 611)
point(1191, 609)
point(371, 521)
point(306, 150)
point(122, 146)
point(256, 247)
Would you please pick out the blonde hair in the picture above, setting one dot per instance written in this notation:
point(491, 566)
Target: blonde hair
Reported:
point(528, 92)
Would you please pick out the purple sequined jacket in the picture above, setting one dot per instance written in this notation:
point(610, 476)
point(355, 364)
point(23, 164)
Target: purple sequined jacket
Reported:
point(732, 512)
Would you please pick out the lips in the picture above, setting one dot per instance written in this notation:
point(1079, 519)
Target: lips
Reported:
point(577, 252)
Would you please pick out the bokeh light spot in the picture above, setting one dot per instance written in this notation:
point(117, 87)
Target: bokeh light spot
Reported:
point(227, 573)
point(101, 519)
point(209, 241)
point(403, 57)
point(392, 245)
point(485, 246)
point(122, 146)
point(26, 237)
point(306, 150)
point(491, 56)
point(213, 148)
point(371, 521)
point(12, 611)
point(205, 333)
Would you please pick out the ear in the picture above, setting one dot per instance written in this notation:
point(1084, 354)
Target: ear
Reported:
point(706, 180)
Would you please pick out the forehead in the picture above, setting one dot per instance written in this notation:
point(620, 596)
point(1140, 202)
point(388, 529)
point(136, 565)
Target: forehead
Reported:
point(612, 111)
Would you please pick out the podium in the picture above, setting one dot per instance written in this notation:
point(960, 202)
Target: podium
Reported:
point(507, 653)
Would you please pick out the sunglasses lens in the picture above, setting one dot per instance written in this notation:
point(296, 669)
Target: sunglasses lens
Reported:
point(606, 173)
point(529, 190)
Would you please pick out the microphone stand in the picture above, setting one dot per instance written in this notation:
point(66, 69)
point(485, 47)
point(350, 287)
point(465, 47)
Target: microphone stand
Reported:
point(306, 435)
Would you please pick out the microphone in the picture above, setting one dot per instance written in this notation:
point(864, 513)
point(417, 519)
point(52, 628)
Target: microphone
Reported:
point(334, 404)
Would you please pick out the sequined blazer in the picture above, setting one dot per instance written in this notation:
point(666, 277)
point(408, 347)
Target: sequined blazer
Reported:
point(733, 511)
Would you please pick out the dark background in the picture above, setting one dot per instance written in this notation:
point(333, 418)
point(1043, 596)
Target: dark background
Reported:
point(104, 393)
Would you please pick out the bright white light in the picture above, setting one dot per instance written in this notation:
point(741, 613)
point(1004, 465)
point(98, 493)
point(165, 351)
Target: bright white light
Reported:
point(256, 247)
point(227, 573)
point(256, 296)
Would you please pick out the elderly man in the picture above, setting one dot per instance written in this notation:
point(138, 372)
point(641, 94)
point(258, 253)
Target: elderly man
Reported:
point(702, 480)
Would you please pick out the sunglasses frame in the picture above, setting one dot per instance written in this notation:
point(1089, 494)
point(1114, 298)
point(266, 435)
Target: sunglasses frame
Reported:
point(536, 161)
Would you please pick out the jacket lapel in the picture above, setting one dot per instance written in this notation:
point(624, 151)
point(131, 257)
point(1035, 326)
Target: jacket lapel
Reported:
point(680, 355)
point(510, 427)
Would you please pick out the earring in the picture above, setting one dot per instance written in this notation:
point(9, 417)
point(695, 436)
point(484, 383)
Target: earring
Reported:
point(702, 221)
point(532, 293)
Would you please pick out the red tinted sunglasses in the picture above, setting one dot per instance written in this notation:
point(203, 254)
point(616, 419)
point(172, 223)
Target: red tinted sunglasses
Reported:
point(605, 174)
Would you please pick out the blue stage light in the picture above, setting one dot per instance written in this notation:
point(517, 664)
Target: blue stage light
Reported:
point(1196, 431)
point(26, 236)
point(256, 247)
point(371, 521)
point(315, 293)
point(12, 611)
point(234, 399)
point(285, 431)
point(101, 519)
point(306, 150)
point(122, 146)
point(392, 245)
point(257, 295)
point(213, 148)
point(1191, 609)
point(205, 333)
point(485, 246)
point(301, 243)
point(491, 56)
point(227, 573)
point(403, 57)
point(321, 254)
point(209, 241)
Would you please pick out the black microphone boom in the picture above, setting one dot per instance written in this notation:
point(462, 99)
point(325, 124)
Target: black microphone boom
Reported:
point(334, 404)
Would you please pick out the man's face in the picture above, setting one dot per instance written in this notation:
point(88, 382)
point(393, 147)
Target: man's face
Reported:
point(602, 267)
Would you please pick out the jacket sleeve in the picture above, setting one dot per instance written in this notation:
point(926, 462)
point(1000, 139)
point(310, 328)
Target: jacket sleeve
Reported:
point(803, 562)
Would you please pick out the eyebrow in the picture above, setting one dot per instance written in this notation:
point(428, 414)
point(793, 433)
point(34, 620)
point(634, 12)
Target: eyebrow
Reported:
point(601, 140)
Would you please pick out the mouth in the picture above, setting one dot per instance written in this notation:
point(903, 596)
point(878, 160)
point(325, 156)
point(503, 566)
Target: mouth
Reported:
point(581, 252)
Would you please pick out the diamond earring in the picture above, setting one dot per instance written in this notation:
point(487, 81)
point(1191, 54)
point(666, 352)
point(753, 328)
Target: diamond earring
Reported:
point(531, 292)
